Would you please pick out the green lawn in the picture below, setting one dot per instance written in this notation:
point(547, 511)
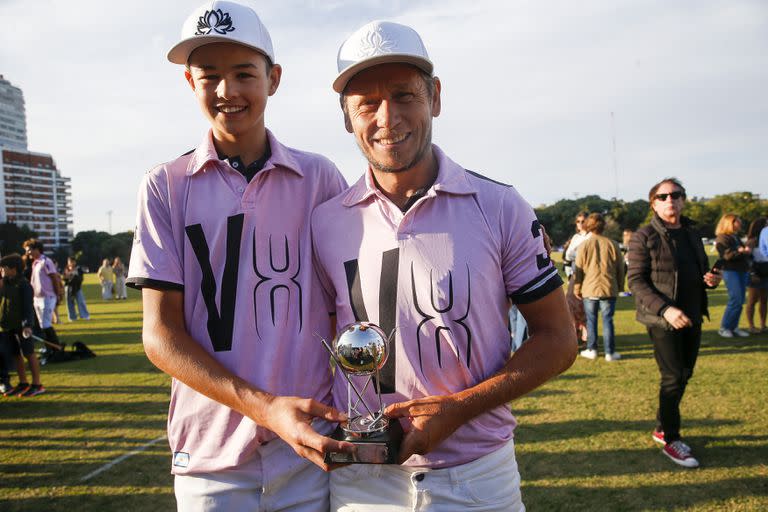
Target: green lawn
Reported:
point(583, 440)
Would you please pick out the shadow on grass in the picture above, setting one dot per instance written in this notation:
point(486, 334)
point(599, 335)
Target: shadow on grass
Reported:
point(92, 443)
point(637, 346)
point(112, 390)
point(657, 497)
point(130, 501)
point(102, 363)
point(713, 345)
point(530, 433)
point(536, 465)
point(28, 409)
point(573, 376)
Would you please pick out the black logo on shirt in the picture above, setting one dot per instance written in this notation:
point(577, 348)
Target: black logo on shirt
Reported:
point(277, 283)
point(220, 324)
point(390, 262)
point(280, 276)
point(214, 21)
point(430, 311)
point(451, 324)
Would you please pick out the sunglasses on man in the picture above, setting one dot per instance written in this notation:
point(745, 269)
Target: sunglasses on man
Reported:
point(675, 195)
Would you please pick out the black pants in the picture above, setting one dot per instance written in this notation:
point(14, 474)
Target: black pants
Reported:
point(7, 361)
point(675, 353)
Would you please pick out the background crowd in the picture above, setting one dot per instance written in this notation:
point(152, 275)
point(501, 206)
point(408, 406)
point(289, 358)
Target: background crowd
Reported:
point(668, 272)
point(32, 287)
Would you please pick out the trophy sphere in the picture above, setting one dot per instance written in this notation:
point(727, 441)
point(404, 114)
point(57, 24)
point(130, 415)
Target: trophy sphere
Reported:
point(361, 348)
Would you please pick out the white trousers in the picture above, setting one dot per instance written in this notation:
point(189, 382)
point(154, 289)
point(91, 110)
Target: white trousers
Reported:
point(44, 307)
point(490, 483)
point(265, 483)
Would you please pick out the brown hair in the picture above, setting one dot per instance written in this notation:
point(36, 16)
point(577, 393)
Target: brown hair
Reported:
point(756, 227)
point(595, 223)
point(725, 224)
point(652, 192)
point(33, 243)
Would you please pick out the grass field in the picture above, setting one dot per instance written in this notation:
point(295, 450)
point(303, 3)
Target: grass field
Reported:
point(583, 440)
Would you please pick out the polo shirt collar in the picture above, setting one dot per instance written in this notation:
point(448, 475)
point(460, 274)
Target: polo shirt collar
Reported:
point(451, 179)
point(205, 154)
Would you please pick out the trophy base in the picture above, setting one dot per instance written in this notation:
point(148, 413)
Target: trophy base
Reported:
point(372, 448)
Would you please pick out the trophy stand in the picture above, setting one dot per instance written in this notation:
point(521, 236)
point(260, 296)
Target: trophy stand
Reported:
point(361, 349)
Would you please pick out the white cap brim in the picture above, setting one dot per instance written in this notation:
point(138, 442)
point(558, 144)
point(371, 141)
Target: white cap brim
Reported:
point(180, 53)
point(390, 58)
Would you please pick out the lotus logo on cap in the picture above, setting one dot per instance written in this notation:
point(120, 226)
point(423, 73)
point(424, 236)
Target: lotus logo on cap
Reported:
point(375, 43)
point(379, 42)
point(216, 21)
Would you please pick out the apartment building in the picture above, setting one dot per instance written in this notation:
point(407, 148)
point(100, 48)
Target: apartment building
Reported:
point(13, 117)
point(33, 192)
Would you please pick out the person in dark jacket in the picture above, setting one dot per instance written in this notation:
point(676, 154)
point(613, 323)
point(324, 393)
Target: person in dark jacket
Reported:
point(668, 275)
point(16, 319)
point(73, 284)
point(735, 257)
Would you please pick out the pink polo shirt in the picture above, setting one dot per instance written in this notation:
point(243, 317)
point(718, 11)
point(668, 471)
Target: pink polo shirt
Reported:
point(241, 253)
point(442, 274)
point(42, 284)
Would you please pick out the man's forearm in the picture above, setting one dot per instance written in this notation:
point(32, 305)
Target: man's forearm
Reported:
point(171, 348)
point(550, 350)
point(181, 357)
point(543, 356)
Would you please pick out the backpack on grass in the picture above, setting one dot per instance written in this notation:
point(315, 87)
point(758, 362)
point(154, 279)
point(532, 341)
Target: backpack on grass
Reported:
point(77, 351)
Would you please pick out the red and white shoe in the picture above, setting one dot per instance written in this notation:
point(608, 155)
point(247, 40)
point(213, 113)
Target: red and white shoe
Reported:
point(680, 453)
point(658, 438)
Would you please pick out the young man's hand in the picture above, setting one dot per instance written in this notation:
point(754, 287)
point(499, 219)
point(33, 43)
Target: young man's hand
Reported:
point(433, 420)
point(291, 418)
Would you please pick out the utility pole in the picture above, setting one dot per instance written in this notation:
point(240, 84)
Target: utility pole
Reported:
point(615, 162)
point(109, 217)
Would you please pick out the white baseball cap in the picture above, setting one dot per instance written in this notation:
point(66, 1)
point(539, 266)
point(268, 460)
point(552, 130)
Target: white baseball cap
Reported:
point(221, 21)
point(379, 42)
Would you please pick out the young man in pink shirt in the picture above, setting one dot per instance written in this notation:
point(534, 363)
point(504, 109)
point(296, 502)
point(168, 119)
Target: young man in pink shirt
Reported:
point(46, 285)
point(222, 254)
point(423, 246)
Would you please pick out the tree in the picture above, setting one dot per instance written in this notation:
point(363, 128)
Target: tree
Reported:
point(746, 205)
point(12, 236)
point(89, 245)
point(619, 215)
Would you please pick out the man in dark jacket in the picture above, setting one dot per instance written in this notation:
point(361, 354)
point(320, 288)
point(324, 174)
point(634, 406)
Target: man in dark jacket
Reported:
point(16, 318)
point(668, 274)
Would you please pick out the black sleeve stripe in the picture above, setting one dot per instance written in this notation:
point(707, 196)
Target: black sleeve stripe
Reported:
point(538, 288)
point(140, 282)
point(486, 178)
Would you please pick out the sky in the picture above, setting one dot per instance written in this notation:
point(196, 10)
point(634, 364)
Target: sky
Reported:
point(535, 93)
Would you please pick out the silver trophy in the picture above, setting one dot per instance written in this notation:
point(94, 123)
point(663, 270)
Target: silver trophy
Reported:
point(361, 349)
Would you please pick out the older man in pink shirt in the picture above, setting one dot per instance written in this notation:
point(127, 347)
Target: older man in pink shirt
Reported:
point(423, 246)
point(223, 257)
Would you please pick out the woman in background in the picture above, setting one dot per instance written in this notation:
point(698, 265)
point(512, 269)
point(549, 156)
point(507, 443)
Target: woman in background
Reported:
point(757, 289)
point(735, 257)
point(119, 269)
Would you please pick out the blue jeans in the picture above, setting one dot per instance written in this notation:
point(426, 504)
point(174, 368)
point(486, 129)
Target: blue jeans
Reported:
point(80, 299)
point(607, 307)
point(736, 281)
